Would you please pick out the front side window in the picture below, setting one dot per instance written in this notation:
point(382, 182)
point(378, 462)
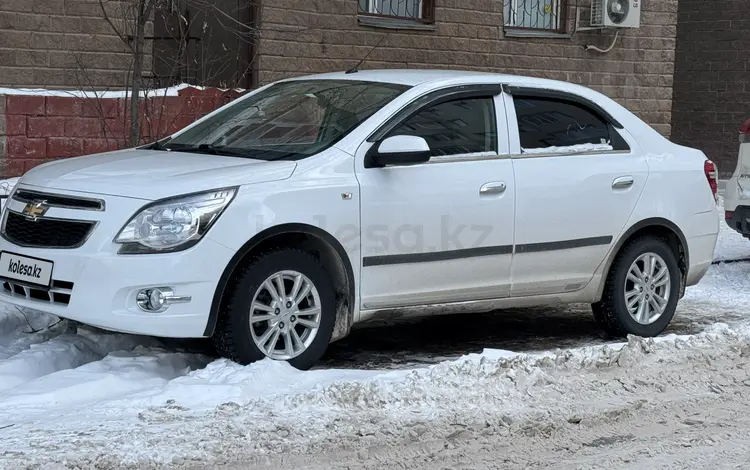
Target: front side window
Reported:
point(545, 15)
point(455, 127)
point(545, 123)
point(289, 120)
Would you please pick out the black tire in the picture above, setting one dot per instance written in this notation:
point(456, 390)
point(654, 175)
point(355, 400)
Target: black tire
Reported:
point(611, 312)
point(232, 336)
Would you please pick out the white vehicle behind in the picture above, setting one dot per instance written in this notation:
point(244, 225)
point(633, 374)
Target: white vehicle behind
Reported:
point(737, 192)
point(276, 223)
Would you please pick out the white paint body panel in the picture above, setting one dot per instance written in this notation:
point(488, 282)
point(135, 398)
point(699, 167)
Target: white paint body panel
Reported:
point(152, 175)
point(569, 198)
point(547, 199)
point(106, 284)
point(431, 208)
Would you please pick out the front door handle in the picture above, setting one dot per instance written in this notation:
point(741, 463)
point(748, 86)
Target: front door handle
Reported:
point(490, 189)
point(623, 182)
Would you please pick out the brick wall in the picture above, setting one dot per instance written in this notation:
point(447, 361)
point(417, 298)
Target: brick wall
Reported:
point(712, 87)
point(301, 37)
point(62, 44)
point(35, 129)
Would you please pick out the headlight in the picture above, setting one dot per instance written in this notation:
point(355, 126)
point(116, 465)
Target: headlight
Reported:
point(173, 224)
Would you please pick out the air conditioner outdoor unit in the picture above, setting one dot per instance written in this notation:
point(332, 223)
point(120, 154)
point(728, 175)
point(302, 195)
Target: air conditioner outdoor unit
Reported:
point(616, 13)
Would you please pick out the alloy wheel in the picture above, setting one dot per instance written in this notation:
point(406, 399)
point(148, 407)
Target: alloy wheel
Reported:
point(285, 315)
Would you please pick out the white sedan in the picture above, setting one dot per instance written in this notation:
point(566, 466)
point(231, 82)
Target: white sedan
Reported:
point(277, 222)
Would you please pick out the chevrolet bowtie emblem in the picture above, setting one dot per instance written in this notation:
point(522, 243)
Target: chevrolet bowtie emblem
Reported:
point(34, 210)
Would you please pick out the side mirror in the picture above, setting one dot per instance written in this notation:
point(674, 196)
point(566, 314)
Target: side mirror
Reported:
point(398, 150)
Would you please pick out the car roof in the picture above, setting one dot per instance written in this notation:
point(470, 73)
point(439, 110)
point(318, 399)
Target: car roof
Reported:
point(414, 77)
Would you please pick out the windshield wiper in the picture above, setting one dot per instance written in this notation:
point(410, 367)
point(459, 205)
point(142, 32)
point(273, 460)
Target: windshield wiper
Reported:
point(158, 145)
point(210, 149)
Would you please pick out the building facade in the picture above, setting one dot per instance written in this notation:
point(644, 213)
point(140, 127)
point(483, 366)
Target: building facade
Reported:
point(528, 37)
point(712, 82)
point(61, 44)
point(48, 43)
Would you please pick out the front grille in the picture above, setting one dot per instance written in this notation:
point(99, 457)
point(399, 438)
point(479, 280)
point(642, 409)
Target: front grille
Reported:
point(57, 200)
point(46, 233)
point(59, 293)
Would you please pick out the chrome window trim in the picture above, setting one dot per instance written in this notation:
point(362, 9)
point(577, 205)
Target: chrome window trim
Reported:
point(570, 154)
point(467, 157)
point(463, 157)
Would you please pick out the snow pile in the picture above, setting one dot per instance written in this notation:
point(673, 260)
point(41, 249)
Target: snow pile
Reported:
point(522, 393)
point(121, 373)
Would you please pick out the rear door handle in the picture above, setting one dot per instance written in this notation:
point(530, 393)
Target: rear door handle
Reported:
point(490, 189)
point(623, 182)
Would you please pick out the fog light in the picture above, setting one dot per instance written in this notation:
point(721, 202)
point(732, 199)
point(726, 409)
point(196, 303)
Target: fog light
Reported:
point(158, 299)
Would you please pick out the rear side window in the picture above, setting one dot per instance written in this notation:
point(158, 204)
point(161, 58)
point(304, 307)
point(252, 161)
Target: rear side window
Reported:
point(559, 125)
point(455, 127)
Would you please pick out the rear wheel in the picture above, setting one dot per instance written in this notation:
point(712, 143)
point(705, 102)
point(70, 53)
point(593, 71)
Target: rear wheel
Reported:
point(281, 306)
point(642, 289)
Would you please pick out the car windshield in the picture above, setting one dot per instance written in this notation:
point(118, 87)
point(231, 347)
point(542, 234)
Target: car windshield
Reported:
point(288, 120)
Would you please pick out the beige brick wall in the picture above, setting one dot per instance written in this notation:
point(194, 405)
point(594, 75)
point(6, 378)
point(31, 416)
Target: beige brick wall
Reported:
point(303, 36)
point(61, 44)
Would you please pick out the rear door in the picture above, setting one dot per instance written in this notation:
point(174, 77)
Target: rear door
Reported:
point(579, 176)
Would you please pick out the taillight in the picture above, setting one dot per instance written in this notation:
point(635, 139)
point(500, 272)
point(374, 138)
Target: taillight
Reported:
point(712, 175)
point(745, 127)
point(729, 215)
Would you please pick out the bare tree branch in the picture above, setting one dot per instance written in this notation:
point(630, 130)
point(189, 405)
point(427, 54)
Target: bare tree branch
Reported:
point(119, 34)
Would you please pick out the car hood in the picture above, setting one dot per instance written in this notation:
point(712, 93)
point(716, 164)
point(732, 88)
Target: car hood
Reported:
point(153, 174)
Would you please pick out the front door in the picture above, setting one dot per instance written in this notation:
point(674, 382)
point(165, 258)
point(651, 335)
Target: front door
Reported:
point(440, 231)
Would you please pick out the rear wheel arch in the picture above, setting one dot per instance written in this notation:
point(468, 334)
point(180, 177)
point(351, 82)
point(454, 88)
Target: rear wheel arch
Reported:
point(329, 251)
point(660, 228)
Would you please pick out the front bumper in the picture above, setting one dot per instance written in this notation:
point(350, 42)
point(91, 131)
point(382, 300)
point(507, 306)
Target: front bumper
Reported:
point(94, 285)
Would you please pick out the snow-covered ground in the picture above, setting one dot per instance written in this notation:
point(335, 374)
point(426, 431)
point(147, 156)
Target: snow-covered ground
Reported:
point(437, 393)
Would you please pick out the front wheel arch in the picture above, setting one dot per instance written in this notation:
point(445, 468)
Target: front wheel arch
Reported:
point(325, 246)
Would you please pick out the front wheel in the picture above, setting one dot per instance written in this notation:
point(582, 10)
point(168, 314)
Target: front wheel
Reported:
point(642, 289)
point(281, 306)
